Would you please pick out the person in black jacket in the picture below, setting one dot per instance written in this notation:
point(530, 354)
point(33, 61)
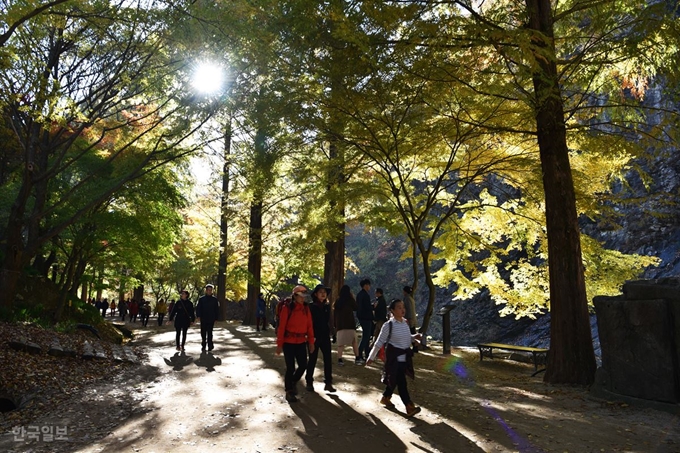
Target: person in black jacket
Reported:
point(323, 331)
point(380, 311)
point(207, 311)
point(183, 314)
point(365, 317)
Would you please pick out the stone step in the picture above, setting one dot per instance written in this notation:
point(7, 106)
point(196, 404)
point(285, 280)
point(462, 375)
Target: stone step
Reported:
point(130, 355)
point(91, 351)
point(58, 351)
point(99, 352)
point(118, 354)
point(26, 346)
point(88, 351)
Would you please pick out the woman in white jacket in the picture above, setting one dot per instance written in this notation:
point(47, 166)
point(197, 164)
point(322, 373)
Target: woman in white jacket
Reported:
point(397, 338)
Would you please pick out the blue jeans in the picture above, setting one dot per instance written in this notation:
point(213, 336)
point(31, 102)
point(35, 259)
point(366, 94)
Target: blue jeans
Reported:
point(367, 330)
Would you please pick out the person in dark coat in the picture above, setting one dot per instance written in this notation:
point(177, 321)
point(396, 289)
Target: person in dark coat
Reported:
point(365, 317)
point(207, 311)
point(323, 331)
point(122, 309)
point(345, 326)
point(380, 312)
point(144, 312)
point(183, 314)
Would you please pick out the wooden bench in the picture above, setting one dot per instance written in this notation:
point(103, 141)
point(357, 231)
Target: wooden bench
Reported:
point(486, 349)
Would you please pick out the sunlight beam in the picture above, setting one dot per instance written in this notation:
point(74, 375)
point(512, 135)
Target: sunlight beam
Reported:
point(208, 77)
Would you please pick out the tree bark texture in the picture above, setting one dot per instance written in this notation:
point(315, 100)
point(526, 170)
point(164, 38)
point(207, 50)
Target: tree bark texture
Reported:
point(571, 358)
point(427, 316)
point(334, 260)
point(138, 293)
point(334, 265)
point(254, 261)
point(224, 229)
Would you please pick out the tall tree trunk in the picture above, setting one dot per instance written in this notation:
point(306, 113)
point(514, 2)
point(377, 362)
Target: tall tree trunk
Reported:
point(17, 254)
point(121, 289)
point(334, 264)
point(13, 262)
point(224, 227)
point(138, 293)
point(414, 264)
point(334, 260)
point(571, 358)
point(431, 293)
point(254, 261)
point(66, 284)
point(99, 282)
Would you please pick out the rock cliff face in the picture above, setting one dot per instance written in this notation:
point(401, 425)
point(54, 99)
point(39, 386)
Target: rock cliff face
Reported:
point(649, 226)
point(649, 220)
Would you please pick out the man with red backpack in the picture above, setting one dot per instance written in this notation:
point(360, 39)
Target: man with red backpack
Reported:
point(294, 335)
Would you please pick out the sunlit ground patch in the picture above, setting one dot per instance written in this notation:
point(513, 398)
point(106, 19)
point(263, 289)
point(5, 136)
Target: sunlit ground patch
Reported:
point(456, 366)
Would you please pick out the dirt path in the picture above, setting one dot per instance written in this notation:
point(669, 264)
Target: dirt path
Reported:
point(232, 401)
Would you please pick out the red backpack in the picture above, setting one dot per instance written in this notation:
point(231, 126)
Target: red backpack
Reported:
point(279, 306)
point(286, 302)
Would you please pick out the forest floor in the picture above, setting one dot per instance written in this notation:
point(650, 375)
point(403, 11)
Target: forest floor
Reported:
point(232, 400)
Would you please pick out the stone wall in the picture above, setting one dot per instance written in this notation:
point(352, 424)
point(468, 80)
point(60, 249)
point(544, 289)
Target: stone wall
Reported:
point(640, 340)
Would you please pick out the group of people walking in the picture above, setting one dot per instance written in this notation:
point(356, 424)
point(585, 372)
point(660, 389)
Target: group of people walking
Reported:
point(133, 309)
point(305, 329)
point(206, 311)
point(307, 324)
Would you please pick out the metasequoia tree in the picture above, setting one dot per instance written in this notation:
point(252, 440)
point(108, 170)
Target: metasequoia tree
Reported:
point(551, 58)
point(318, 42)
point(515, 67)
point(246, 35)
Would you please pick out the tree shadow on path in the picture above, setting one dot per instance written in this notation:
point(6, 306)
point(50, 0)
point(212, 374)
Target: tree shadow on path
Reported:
point(353, 431)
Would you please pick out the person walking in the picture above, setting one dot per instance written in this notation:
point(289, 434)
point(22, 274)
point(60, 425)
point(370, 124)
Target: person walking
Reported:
point(379, 312)
point(321, 320)
point(293, 334)
point(133, 306)
point(365, 317)
point(144, 312)
point(345, 327)
point(183, 314)
point(161, 310)
point(397, 338)
point(112, 307)
point(122, 309)
point(261, 313)
point(207, 311)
